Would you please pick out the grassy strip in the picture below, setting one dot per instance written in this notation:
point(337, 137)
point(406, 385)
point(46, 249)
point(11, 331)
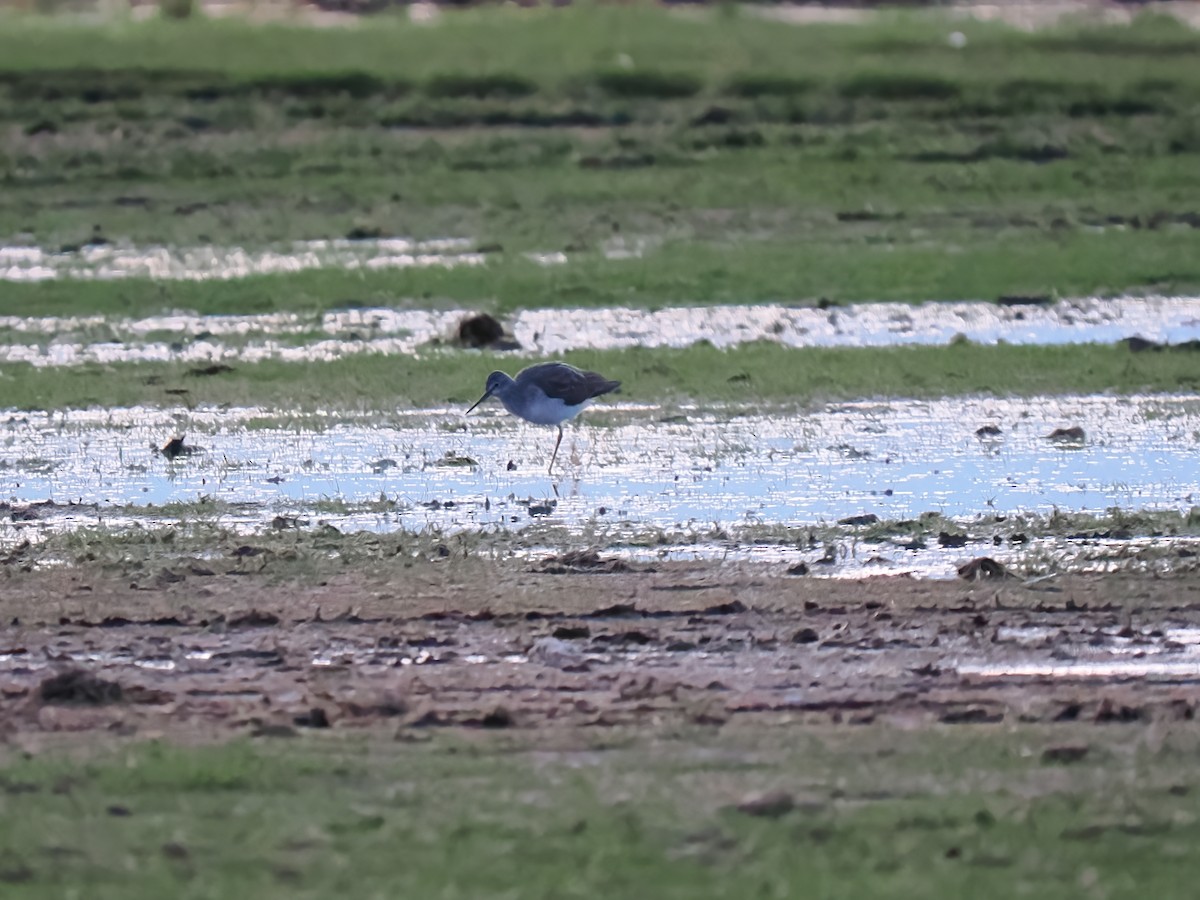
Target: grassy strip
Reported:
point(884, 181)
point(751, 375)
point(479, 815)
point(545, 45)
point(312, 552)
point(267, 133)
point(846, 270)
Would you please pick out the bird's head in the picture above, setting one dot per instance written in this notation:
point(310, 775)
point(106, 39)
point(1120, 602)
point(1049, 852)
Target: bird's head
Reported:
point(495, 382)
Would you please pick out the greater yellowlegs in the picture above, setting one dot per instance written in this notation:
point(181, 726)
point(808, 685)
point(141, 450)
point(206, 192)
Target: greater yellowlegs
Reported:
point(547, 394)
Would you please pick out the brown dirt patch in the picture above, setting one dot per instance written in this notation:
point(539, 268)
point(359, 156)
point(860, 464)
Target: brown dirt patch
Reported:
point(538, 644)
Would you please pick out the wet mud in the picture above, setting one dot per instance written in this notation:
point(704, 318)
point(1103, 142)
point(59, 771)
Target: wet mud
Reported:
point(549, 643)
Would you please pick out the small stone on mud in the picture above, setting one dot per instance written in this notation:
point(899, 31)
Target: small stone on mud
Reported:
point(1069, 713)
point(498, 718)
point(314, 718)
point(77, 687)
point(557, 653)
point(798, 569)
point(770, 805)
point(572, 632)
point(625, 638)
point(732, 608)
point(1066, 753)
point(806, 636)
point(945, 539)
point(253, 619)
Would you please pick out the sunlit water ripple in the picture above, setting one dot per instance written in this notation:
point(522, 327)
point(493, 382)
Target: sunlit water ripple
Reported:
point(696, 472)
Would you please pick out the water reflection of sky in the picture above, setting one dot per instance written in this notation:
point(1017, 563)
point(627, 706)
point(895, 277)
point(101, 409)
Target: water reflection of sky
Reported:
point(894, 459)
point(297, 337)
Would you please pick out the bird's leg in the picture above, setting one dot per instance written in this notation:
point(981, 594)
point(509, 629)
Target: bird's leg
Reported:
point(554, 455)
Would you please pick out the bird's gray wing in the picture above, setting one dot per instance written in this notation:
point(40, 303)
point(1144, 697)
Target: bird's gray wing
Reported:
point(566, 383)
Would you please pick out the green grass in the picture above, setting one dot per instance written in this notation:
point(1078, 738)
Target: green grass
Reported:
point(750, 375)
point(862, 162)
point(546, 45)
point(965, 811)
point(868, 267)
point(311, 553)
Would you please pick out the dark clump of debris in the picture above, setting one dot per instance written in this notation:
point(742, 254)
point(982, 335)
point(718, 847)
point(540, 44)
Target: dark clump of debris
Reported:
point(482, 330)
point(253, 619)
point(1074, 434)
point(314, 718)
point(866, 519)
point(175, 448)
point(209, 371)
point(30, 512)
point(582, 561)
point(497, 718)
point(1141, 345)
point(981, 568)
point(1066, 753)
point(79, 688)
point(770, 805)
point(1025, 300)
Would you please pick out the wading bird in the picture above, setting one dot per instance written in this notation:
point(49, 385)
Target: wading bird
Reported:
point(547, 394)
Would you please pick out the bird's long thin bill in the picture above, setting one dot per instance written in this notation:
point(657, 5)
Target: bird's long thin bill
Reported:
point(477, 402)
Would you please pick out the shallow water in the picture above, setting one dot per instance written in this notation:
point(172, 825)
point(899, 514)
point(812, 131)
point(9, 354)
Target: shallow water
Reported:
point(182, 337)
point(112, 261)
point(694, 474)
point(1170, 654)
